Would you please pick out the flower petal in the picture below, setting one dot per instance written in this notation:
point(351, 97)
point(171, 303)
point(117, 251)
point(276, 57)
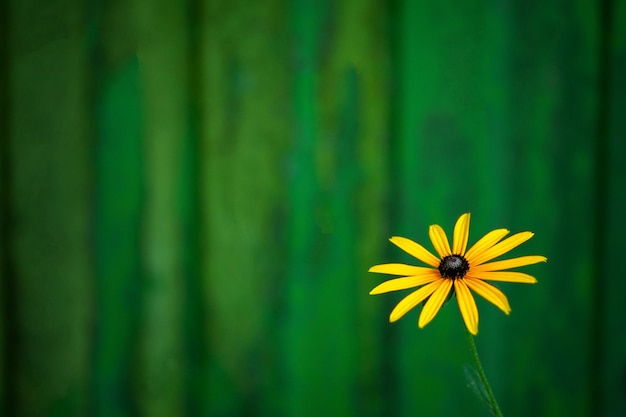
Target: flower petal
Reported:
point(416, 250)
point(467, 305)
point(502, 247)
point(405, 283)
point(485, 243)
point(461, 234)
point(399, 269)
point(434, 303)
point(504, 277)
point(508, 263)
point(489, 293)
point(440, 240)
point(413, 299)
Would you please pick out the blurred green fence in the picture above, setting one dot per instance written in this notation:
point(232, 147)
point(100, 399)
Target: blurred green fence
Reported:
point(192, 193)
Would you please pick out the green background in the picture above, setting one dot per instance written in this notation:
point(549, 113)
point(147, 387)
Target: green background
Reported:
point(192, 193)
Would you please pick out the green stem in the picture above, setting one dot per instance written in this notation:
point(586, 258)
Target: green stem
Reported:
point(483, 378)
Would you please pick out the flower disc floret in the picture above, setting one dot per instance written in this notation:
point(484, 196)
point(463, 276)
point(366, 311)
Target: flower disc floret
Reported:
point(453, 267)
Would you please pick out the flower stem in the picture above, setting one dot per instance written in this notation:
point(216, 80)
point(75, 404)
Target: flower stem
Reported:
point(483, 378)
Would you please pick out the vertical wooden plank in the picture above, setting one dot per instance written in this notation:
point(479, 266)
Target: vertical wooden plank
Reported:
point(303, 333)
point(554, 86)
point(612, 385)
point(51, 178)
point(218, 110)
point(162, 47)
point(246, 118)
point(337, 168)
point(6, 307)
point(195, 343)
point(118, 207)
point(449, 156)
point(351, 163)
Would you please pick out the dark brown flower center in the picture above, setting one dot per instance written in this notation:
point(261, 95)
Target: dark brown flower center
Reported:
point(453, 267)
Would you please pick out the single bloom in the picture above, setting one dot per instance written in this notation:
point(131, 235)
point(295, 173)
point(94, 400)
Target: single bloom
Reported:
point(455, 271)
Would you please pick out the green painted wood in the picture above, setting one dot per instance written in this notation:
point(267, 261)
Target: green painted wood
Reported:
point(197, 190)
point(163, 72)
point(308, 363)
point(611, 360)
point(334, 176)
point(51, 182)
point(354, 92)
point(118, 210)
point(245, 128)
point(551, 117)
point(327, 266)
point(5, 223)
point(190, 200)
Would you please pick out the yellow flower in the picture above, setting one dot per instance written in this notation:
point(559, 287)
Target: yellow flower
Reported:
point(455, 270)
